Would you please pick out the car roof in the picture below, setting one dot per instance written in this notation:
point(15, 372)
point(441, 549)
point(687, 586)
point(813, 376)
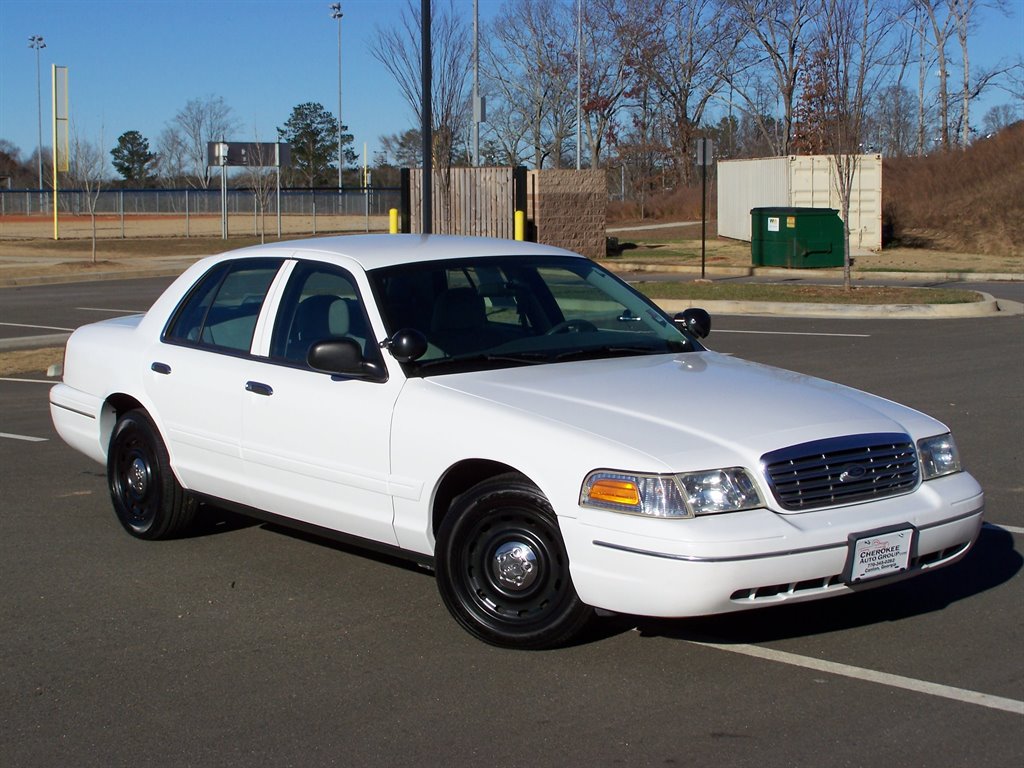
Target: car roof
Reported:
point(375, 251)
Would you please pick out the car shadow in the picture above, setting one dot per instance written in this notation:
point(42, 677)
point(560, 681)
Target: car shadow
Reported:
point(212, 520)
point(348, 548)
point(992, 561)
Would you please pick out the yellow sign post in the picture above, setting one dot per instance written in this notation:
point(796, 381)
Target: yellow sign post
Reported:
point(60, 135)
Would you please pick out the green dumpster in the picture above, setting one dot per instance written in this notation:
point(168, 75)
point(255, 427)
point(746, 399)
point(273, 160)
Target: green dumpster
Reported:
point(796, 237)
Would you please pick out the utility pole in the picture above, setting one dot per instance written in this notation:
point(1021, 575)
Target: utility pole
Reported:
point(337, 14)
point(427, 117)
point(476, 85)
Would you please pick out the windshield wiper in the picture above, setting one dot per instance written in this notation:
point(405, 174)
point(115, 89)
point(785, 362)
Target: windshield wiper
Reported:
point(608, 350)
point(522, 358)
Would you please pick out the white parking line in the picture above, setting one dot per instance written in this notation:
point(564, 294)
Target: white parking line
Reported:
point(44, 327)
point(873, 676)
point(27, 438)
point(797, 333)
point(31, 381)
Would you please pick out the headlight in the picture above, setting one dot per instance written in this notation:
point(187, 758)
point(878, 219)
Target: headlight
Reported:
point(671, 496)
point(939, 456)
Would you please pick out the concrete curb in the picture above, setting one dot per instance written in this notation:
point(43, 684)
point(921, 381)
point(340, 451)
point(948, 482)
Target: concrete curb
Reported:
point(987, 307)
point(34, 342)
point(716, 271)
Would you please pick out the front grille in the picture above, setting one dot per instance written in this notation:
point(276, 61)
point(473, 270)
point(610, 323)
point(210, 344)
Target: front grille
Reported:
point(841, 470)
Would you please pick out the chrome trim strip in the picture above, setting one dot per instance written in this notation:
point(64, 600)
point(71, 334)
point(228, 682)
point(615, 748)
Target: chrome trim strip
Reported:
point(731, 559)
point(73, 410)
point(741, 558)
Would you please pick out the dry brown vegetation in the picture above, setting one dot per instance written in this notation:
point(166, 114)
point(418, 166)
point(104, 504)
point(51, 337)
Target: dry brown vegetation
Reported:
point(971, 200)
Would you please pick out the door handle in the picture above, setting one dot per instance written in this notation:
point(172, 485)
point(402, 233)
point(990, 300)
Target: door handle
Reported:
point(163, 368)
point(259, 389)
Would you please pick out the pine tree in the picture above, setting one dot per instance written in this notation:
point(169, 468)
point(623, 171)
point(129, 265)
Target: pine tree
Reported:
point(132, 158)
point(312, 132)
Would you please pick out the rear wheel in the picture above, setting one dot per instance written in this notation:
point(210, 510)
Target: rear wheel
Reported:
point(502, 568)
point(147, 498)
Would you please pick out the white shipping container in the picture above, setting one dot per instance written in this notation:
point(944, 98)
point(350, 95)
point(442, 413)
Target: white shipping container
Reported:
point(746, 184)
point(799, 181)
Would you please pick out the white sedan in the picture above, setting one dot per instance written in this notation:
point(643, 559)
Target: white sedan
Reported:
point(515, 417)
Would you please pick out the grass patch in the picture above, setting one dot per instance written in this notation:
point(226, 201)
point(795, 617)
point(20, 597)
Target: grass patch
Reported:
point(814, 294)
point(34, 361)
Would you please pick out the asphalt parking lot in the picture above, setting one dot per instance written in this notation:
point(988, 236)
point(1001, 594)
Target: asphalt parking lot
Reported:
point(249, 645)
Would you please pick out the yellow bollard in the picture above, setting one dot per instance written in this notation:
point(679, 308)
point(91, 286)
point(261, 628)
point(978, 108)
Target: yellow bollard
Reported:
point(520, 225)
point(393, 226)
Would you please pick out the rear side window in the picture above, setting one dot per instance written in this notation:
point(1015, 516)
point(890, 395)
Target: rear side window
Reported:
point(222, 308)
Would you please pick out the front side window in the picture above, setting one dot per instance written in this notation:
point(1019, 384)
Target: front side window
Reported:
point(320, 302)
point(222, 308)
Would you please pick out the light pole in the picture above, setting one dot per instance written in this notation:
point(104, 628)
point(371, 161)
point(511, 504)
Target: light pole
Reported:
point(37, 42)
point(336, 14)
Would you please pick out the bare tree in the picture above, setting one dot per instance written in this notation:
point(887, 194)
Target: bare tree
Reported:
point(199, 122)
point(87, 170)
point(963, 14)
point(399, 49)
point(776, 40)
point(611, 30)
point(940, 21)
point(684, 59)
point(999, 117)
point(531, 67)
point(262, 176)
point(852, 35)
point(891, 112)
point(172, 157)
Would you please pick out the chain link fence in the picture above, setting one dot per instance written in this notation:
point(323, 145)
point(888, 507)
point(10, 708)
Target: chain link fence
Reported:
point(28, 213)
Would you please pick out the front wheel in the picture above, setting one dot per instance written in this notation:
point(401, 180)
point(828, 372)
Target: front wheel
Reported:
point(147, 498)
point(502, 568)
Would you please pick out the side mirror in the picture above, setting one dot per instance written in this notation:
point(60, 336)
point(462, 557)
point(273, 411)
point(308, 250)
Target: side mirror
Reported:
point(407, 345)
point(343, 357)
point(696, 321)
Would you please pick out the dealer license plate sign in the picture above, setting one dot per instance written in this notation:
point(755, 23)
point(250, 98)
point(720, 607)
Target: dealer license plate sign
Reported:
point(880, 553)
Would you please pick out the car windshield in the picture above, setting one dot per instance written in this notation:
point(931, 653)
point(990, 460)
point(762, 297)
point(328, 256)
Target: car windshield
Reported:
point(504, 311)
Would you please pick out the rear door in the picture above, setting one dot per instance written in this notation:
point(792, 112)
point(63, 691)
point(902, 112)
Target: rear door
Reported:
point(198, 374)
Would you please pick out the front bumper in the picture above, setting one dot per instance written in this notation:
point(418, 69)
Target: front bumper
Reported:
point(731, 562)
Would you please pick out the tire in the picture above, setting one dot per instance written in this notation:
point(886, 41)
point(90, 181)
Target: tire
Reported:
point(147, 498)
point(502, 569)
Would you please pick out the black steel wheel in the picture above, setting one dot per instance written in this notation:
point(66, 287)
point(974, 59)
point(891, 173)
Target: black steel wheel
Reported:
point(502, 568)
point(147, 498)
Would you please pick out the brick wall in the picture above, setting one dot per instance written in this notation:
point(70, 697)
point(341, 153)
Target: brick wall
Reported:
point(568, 208)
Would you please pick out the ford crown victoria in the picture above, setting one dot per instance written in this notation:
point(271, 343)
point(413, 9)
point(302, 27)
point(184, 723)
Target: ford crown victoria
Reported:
point(514, 417)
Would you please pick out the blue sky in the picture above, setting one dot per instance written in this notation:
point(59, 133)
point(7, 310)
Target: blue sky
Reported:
point(133, 65)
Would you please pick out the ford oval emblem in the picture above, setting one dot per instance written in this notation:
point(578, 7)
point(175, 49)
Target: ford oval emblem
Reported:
point(852, 472)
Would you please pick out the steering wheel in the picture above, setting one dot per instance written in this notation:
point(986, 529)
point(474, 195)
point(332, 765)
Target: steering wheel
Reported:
point(575, 325)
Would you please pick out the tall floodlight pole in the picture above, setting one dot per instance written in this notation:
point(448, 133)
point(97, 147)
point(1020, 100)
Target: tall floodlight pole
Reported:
point(426, 117)
point(336, 14)
point(579, 76)
point(37, 42)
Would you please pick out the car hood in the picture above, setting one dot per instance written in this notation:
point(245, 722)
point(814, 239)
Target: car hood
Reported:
point(700, 406)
